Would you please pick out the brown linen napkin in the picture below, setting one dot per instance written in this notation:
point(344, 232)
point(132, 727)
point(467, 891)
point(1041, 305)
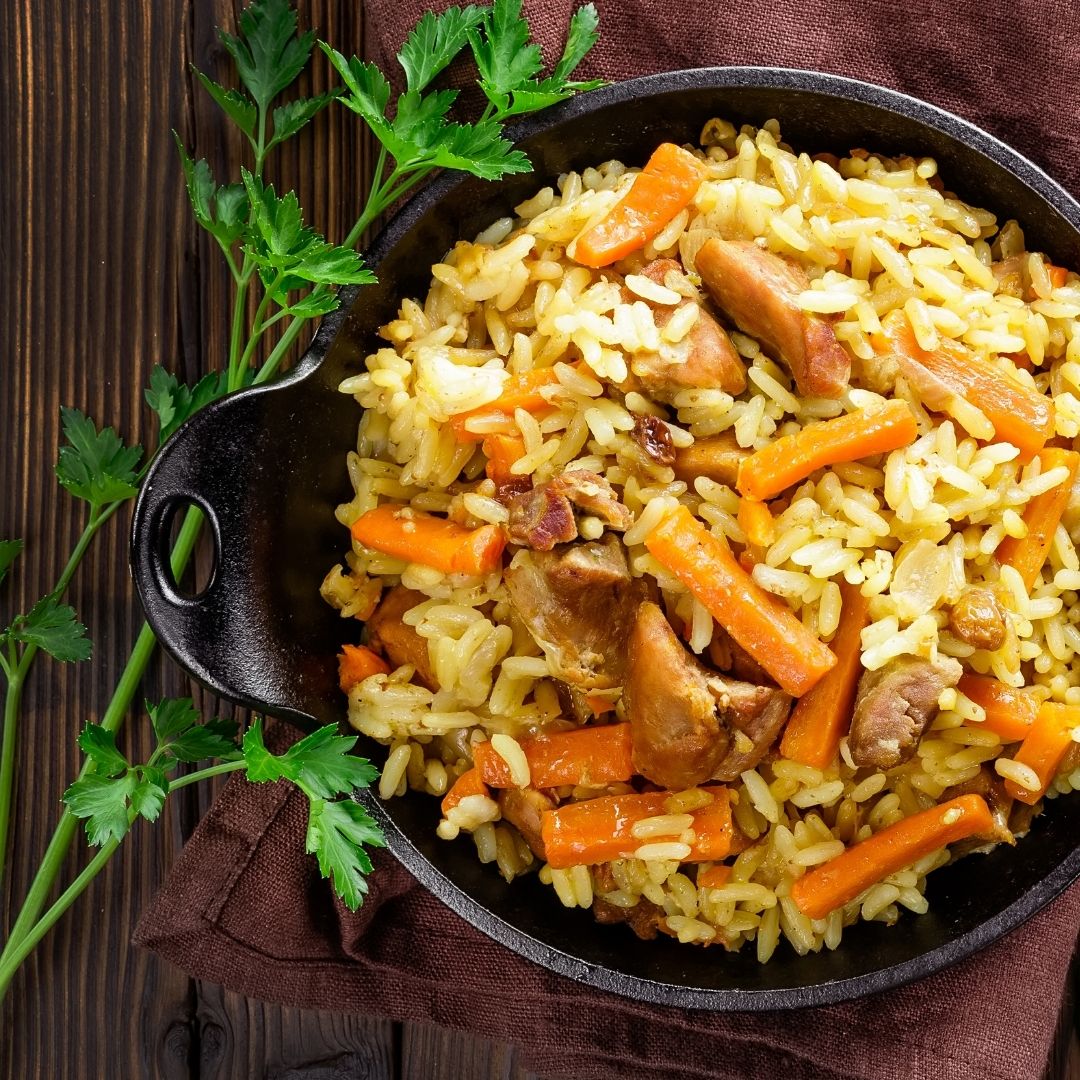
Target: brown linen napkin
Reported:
point(244, 907)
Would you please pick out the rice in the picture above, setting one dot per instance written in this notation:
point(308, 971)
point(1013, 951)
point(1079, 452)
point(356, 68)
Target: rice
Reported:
point(912, 529)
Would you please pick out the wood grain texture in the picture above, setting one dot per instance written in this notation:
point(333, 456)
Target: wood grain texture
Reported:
point(103, 273)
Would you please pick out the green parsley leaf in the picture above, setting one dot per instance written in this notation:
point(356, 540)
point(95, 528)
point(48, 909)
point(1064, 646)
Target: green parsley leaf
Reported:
point(95, 466)
point(269, 54)
point(238, 107)
point(221, 211)
point(9, 552)
point(174, 401)
point(103, 802)
point(181, 731)
point(280, 244)
point(313, 305)
point(172, 717)
point(434, 41)
point(99, 745)
point(320, 763)
point(52, 627)
point(504, 56)
point(148, 795)
point(336, 834)
point(293, 115)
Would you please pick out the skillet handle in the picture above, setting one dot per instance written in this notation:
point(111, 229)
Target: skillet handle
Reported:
point(224, 635)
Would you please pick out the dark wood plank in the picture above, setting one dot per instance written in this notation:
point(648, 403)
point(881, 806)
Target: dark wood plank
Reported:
point(241, 1037)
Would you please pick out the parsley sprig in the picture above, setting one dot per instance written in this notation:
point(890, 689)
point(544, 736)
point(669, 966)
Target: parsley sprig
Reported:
point(283, 270)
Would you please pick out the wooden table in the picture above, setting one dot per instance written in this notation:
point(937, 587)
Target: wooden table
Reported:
point(104, 274)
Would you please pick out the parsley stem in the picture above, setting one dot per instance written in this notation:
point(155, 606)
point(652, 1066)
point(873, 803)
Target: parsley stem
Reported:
point(204, 774)
point(17, 671)
point(112, 720)
point(19, 949)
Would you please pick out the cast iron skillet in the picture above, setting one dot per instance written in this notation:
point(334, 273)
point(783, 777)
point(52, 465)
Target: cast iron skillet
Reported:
point(267, 466)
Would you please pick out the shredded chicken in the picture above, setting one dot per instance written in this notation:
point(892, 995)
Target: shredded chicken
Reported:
point(759, 292)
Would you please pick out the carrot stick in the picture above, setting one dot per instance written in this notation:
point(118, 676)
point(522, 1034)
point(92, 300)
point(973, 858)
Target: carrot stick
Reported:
point(834, 883)
point(661, 190)
point(599, 830)
point(468, 783)
point(792, 458)
point(714, 877)
point(759, 622)
point(519, 392)
point(356, 663)
point(757, 522)
point(1058, 274)
point(1020, 415)
point(1041, 515)
point(1010, 712)
point(591, 755)
point(1044, 746)
point(501, 451)
point(820, 718)
point(431, 541)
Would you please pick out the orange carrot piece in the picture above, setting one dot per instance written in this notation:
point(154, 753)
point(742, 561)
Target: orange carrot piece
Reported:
point(1044, 746)
point(759, 622)
point(590, 755)
point(1020, 415)
point(468, 783)
point(714, 877)
point(431, 541)
point(1058, 275)
point(757, 522)
point(1010, 712)
point(1041, 515)
point(599, 704)
point(501, 451)
point(356, 663)
point(820, 718)
point(834, 883)
point(599, 830)
point(792, 458)
point(661, 190)
point(519, 392)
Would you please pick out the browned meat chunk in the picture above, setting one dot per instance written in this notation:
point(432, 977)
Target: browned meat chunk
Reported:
point(400, 643)
point(508, 489)
point(992, 788)
point(540, 519)
point(652, 435)
point(544, 516)
point(590, 492)
point(717, 457)
point(704, 359)
point(727, 655)
point(644, 918)
point(690, 725)
point(758, 291)
point(893, 706)
point(978, 618)
point(522, 807)
point(578, 602)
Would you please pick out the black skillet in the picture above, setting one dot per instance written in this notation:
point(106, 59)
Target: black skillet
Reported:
point(267, 465)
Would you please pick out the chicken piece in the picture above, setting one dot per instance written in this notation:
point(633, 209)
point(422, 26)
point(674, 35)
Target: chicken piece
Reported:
point(652, 435)
point(759, 292)
point(717, 457)
point(578, 602)
point(590, 492)
point(644, 918)
point(523, 808)
point(893, 705)
point(399, 642)
point(689, 725)
point(978, 618)
point(992, 788)
point(507, 490)
point(544, 516)
point(540, 519)
point(727, 655)
point(704, 359)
